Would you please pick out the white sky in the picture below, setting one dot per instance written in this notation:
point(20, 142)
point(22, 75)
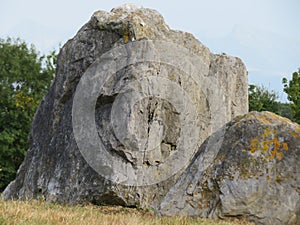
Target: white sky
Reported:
point(265, 34)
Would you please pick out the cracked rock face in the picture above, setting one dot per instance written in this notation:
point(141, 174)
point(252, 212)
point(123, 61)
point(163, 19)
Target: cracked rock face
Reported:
point(248, 168)
point(155, 126)
point(148, 95)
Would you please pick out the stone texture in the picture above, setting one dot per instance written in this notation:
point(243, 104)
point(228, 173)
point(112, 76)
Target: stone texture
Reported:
point(212, 89)
point(249, 168)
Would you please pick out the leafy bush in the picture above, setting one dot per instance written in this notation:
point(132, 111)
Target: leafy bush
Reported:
point(25, 77)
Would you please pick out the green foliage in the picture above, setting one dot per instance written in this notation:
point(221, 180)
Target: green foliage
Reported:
point(292, 88)
point(24, 79)
point(260, 99)
point(285, 110)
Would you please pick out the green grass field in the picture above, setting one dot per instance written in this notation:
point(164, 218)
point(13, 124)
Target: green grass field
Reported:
point(39, 212)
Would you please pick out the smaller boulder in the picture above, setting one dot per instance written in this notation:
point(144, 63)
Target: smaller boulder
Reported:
point(249, 168)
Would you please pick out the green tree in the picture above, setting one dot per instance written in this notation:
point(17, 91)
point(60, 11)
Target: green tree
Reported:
point(261, 99)
point(285, 110)
point(292, 88)
point(25, 77)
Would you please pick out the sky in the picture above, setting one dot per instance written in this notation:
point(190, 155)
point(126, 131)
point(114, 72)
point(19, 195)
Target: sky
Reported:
point(265, 34)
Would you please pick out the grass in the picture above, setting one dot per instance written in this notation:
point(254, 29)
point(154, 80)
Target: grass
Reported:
point(39, 212)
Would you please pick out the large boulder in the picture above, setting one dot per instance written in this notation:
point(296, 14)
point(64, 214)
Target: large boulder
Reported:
point(249, 168)
point(131, 103)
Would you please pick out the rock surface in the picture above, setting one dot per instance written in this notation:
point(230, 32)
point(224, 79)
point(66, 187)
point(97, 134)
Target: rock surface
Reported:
point(131, 103)
point(248, 168)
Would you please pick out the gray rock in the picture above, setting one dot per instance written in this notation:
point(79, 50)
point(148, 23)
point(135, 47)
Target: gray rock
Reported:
point(249, 168)
point(131, 103)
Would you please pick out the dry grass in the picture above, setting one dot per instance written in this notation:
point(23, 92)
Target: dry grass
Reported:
point(39, 212)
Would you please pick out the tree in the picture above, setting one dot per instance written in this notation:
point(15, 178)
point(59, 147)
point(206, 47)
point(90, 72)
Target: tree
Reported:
point(285, 110)
point(25, 77)
point(292, 89)
point(260, 99)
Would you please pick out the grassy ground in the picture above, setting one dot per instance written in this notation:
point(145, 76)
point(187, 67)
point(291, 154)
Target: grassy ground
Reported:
point(39, 212)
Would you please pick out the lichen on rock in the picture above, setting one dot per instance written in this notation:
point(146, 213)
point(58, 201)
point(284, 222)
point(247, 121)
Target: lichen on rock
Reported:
point(136, 117)
point(253, 172)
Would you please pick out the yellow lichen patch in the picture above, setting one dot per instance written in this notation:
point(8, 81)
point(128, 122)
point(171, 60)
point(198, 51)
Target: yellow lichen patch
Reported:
point(274, 117)
point(172, 76)
point(294, 134)
point(126, 36)
point(264, 120)
point(277, 144)
point(279, 155)
point(285, 146)
point(254, 144)
point(268, 145)
point(267, 132)
point(219, 158)
point(265, 146)
point(270, 118)
point(248, 175)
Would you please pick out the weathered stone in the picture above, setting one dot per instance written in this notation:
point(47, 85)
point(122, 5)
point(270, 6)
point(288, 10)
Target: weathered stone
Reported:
point(249, 168)
point(154, 95)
